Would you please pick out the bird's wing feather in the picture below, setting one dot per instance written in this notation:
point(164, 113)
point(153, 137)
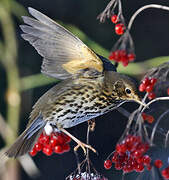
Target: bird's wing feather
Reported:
point(63, 53)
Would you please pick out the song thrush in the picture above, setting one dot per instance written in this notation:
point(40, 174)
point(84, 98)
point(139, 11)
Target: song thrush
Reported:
point(90, 87)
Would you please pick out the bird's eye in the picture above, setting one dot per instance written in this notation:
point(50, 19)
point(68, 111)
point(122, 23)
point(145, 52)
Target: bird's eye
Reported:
point(128, 91)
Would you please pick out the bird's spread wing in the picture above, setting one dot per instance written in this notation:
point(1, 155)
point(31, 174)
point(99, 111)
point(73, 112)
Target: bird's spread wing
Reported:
point(63, 53)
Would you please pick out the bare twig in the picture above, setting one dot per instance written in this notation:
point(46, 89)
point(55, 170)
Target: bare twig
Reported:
point(106, 11)
point(166, 139)
point(157, 6)
point(154, 100)
point(155, 126)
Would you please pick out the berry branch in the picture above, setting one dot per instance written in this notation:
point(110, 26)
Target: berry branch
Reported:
point(132, 151)
point(123, 51)
point(156, 125)
point(156, 6)
point(85, 170)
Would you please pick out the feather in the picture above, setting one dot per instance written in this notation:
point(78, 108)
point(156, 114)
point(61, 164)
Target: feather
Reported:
point(26, 140)
point(63, 53)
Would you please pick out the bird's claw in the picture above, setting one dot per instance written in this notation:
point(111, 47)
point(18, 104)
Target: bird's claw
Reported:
point(84, 146)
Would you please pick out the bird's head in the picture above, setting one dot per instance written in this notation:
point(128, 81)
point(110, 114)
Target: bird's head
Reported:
point(122, 87)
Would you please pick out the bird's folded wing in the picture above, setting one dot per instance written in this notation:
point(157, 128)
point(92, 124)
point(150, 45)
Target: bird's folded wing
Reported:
point(63, 53)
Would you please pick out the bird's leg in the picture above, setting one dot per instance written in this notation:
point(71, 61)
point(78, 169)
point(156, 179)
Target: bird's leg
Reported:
point(91, 124)
point(79, 143)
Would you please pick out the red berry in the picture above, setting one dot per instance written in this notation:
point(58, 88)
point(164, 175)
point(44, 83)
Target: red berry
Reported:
point(146, 160)
point(47, 150)
point(168, 91)
point(144, 116)
point(142, 148)
point(146, 146)
point(60, 139)
point(53, 142)
point(118, 166)
point(142, 87)
point(66, 138)
point(151, 95)
point(158, 163)
point(146, 81)
point(122, 158)
point(137, 153)
point(165, 173)
point(66, 148)
point(125, 63)
point(111, 56)
point(114, 19)
point(149, 167)
point(150, 119)
point(127, 168)
point(123, 55)
point(140, 160)
point(138, 139)
point(149, 88)
point(119, 28)
point(116, 56)
point(33, 152)
point(41, 135)
point(153, 81)
point(133, 162)
point(44, 139)
point(38, 146)
point(107, 164)
point(58, 149)
point(131, 56)
point(121, 148)
point(115, 157)
point(139, 168)
point(130, 139)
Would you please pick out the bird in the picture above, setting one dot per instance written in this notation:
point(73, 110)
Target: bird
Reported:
point(90, 85)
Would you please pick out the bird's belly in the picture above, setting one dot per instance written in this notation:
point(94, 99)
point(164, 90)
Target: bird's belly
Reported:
point(67, 123)
point(70, 117)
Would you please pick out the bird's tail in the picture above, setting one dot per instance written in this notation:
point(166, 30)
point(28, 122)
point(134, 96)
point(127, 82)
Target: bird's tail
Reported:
point(27, 139)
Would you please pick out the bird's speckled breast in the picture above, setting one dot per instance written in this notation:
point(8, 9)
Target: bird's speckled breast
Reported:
point(78, 105)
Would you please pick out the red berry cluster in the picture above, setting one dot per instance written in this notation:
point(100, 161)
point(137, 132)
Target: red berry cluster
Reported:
point(56, 142)
point(120, 27)
point(148, 118)
point(130, 155)
point(148, 85)
point(165, 173)
point(87, 176)
point(122, 56)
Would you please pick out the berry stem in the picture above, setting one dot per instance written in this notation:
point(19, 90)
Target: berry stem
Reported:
point(155, 127)
point(159, 174)
point(154, 100)
point(157, 6)
point(106, 11)
point(166, 138)
point(78, 161)
point(87, 151)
